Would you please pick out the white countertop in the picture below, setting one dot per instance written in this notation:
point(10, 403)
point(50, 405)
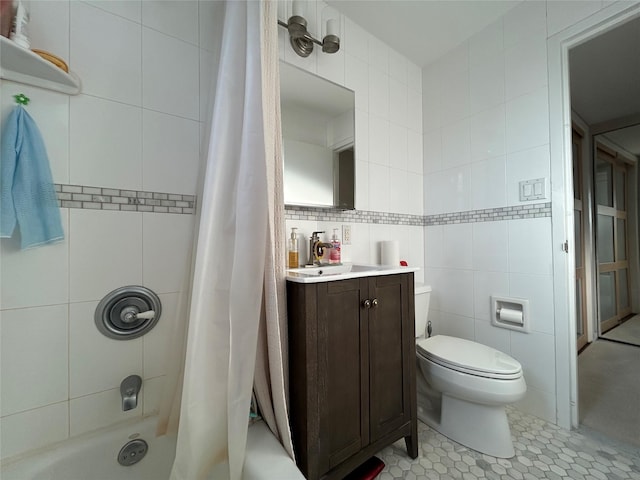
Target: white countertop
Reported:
point(331, 273)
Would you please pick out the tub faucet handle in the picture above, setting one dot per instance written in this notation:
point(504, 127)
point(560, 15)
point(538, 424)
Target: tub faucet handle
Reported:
point(129, 389)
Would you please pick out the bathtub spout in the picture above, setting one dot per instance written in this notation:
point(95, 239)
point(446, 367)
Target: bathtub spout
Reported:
point(129, 389)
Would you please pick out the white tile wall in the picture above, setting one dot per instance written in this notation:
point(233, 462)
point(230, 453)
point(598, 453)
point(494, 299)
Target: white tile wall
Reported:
point(488, 188)
point(165, 258)
point(34, 358)
point(487, 134)
point(110, 65)
point(174, 18)
point(105, 151)
point(490, 246)
point(525, 20)
point(378, 140)
point(525, 66)
point(166, 141)
point(530, 246)
point(486, 84)
point(105, 252)
point(35, 285)
point(60, 376)
point(527, 119)
point(457, 243)
point(33, 429)
point(398, 148)
point(379, 194)
point(456, 144)
point(486, 284)
point(152, 394)
point(96, 362)
point(496, 82)
point(129, 9)
point(156, 342)
point(525, 165)
point(177, 93)
point(99, 410)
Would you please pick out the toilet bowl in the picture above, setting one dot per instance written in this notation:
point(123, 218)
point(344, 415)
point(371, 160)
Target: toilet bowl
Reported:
point(464, 386)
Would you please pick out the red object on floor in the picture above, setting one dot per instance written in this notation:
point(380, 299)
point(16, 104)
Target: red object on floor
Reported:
point(367, 471)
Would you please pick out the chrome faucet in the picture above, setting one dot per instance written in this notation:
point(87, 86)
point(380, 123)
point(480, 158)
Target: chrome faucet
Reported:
point(129, 389)
point(316, 249)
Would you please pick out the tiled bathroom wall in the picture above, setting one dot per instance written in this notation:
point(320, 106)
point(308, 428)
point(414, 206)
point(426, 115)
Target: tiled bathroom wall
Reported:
point(486, 128)
point(133, 133)
point(388, 145)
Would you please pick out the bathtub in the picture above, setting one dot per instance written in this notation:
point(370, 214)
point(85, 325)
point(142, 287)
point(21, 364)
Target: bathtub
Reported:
point(94, 457)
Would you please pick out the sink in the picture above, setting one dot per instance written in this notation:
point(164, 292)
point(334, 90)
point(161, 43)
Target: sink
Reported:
point(366, 268)
point(321, 273)
point(318, 270)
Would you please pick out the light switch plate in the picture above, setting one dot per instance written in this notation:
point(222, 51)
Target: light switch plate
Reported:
point(532, 189)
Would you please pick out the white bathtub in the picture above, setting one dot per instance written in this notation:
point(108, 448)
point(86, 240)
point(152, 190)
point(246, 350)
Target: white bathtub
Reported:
point(94, 457)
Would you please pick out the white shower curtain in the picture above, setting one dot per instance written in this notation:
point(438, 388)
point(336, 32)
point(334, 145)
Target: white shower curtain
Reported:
point(237, 283)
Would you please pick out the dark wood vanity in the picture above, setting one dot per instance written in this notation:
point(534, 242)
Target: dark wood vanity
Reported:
point(352, 371)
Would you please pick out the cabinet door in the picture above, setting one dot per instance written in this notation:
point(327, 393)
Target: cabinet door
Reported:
point(342, 371)
point(391, 343)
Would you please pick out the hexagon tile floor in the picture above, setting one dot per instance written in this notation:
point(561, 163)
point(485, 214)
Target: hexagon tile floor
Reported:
point(543, 450)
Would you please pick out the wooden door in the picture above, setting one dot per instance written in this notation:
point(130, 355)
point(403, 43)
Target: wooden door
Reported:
point(612, 245)
point(343, 371)
point(391, 338)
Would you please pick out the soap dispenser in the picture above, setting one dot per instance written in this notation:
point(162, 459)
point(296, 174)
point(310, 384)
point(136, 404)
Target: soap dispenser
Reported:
point(334, 256)
point(293, 250)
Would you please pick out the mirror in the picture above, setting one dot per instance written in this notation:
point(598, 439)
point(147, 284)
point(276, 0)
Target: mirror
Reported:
point(318, 134)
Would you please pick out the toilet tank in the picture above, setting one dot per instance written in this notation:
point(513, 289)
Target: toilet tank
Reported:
point(422, 294)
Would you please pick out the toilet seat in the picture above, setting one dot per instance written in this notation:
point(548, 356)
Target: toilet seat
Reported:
point(469, 357)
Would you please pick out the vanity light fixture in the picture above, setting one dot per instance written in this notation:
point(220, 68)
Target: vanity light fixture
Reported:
point(301, 40)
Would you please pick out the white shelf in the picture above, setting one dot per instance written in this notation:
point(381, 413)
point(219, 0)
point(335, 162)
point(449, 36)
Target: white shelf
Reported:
point(21, 65)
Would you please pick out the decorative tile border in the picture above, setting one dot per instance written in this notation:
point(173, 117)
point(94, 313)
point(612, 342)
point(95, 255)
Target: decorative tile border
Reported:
point(98, 198)
point(535, 210)
point(350, 216)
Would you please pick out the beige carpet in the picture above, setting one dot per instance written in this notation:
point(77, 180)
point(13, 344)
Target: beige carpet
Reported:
point(609, 390)
point(628, 332)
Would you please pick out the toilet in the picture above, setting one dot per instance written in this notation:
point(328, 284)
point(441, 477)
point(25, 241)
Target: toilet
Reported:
point(464, 386)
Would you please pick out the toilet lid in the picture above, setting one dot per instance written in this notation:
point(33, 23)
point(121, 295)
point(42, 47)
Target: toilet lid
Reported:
point(469, 357)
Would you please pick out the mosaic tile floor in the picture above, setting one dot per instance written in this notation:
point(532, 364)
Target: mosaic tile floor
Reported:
point(543, 450)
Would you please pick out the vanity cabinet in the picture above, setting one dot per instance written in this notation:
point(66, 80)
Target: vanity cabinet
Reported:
point(352, 371)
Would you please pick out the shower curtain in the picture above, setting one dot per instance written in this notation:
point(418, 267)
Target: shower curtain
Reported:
point(235, 307)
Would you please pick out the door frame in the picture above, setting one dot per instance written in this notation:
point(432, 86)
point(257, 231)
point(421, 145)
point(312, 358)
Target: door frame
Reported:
point(580, 164)
point(560, 140)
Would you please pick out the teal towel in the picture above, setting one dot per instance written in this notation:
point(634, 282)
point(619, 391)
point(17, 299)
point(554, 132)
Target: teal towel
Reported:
point(27, 194)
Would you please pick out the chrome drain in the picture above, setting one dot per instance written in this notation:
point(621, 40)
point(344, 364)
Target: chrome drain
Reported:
point(132, 452)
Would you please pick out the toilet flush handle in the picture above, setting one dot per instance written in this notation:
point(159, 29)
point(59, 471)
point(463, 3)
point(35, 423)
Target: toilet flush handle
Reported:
point(429, 328)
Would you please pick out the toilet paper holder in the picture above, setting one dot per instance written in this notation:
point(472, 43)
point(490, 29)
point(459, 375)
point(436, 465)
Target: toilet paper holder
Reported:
point(511, 313)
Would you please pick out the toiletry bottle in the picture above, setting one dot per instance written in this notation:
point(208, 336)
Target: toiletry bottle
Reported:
point(293, 249)
point(334, 256)
point(19, 28)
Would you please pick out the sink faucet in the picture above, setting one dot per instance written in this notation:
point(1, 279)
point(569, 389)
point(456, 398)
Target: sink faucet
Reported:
point(129, 389)
point(316, 249)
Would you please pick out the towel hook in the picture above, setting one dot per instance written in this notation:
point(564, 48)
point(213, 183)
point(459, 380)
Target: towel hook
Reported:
point(22, 99)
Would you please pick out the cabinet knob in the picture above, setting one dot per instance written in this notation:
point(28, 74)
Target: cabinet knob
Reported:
point(374, 302)
point(366, 303)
